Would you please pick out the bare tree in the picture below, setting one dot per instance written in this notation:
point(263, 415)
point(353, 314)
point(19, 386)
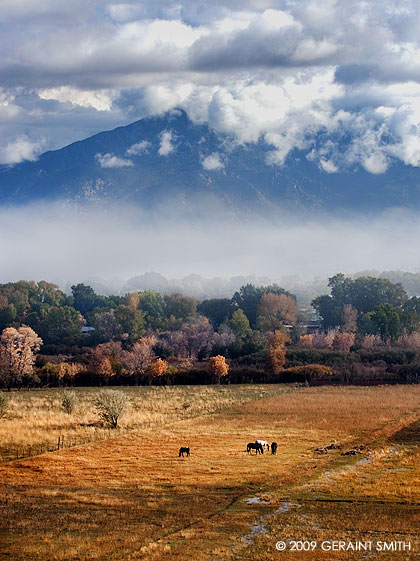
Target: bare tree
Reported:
point(140, 358)
point(350, 319)
point(193, 338)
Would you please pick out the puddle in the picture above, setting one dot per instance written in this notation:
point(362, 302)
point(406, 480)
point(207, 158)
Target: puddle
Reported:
point(257, 500)
point(363, 461)
point(258, 528)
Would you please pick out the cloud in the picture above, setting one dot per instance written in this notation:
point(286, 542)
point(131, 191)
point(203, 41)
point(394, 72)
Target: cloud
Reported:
point(19, 150)
point(166, 143)
point(112, 161)
point(295, 75)
point(139, 148)
point(213, 162)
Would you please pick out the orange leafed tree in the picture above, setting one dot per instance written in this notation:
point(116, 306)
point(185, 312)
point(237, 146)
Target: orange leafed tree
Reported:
point(218, 367)
point(276, 309)
point(159, 367)
point(276, 352)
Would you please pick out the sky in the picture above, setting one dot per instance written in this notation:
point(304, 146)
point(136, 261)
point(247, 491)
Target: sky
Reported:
point(298, 74)
point(282, 71)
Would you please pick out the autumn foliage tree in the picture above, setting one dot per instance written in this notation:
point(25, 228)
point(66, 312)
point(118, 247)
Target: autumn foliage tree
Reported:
point(275, 310)
point(218, 367)
point(158, 368)
point(276, 352)
point(17, 350)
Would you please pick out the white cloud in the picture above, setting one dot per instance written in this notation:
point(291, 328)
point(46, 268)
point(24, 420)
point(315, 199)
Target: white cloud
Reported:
point(274, 70)
point(100, 100)
point(213, 162)
point(20, 149)
point(138, 148)
point(112, 161)
point(166, 143)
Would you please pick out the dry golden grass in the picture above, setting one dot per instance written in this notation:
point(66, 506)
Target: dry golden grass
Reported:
point(36, 418)
point(132, 498)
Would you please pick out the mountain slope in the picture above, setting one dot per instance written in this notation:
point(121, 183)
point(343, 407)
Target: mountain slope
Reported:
point(114, 167)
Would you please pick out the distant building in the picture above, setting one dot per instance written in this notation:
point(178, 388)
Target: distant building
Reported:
point(86, 329)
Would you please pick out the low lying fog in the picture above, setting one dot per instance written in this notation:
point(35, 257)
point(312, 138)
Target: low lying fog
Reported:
point(62, 243)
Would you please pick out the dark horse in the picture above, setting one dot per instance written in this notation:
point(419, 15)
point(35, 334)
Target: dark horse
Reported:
point(254, 446)
point(274, 447)
point(183, 451)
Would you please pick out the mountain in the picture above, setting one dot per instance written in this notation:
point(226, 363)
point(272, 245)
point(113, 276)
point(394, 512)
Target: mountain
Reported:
point(170, 162)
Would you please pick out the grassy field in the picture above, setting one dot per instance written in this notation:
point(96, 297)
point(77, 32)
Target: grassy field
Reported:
point(130, 497)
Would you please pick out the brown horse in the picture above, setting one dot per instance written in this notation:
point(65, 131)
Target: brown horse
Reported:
point(274, 447)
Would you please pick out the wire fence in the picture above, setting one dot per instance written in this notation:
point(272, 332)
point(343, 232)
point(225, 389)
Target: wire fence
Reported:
point(61, 442)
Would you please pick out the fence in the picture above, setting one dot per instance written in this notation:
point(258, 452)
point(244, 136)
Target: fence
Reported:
point(20, 451)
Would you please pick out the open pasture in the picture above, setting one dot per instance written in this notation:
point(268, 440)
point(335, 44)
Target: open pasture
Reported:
point(132, 498)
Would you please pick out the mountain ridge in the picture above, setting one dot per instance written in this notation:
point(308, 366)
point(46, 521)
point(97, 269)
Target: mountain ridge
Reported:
point(238, 178)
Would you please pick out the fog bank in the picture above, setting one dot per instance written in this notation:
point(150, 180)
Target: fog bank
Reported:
point(64, 243)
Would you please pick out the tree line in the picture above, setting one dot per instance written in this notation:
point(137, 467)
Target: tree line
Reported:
point(145, 337)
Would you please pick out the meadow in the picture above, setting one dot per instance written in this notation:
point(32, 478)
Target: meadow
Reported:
point(131, 497)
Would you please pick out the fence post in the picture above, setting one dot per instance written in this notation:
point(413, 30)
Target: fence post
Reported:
point(58, 445)
point(62, 441)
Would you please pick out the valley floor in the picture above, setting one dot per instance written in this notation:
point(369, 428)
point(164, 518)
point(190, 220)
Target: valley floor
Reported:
point(131, 497)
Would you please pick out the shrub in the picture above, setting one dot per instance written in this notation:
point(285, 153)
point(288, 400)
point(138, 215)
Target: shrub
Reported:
point(68, 402)
point(309, 371)
point(4, 404)
point(111, 405)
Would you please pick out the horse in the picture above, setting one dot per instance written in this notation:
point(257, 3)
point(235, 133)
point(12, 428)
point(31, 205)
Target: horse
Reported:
point(263, 443)
point(183, 451)
point(274, 447)
point(254, 446)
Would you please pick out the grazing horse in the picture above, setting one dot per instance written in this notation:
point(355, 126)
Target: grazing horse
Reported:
point(183, 451)
point(263, 443)
point(254, 446)
point(274, 447)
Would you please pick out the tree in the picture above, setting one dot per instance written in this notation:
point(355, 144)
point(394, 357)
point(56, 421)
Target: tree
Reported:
point(140, 358)
point(180, 306)
point(152, 304)
point(343, 342)
point(193, 339)
point(350, 319)
point(17, 348)
point(85, 299)
point(276, 353)
point(218, 367)
point(240, 324)
point(217, 310)
point(329, 310)
point(58, 325)
point(275, 310)
point(306, 341)
point(111, 405)
point(384, 320)
point(158, 368)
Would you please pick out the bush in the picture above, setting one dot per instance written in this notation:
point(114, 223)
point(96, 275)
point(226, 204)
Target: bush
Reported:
point(111, 405)
point(69, 401)
point(308, 372)
point(4, 404)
